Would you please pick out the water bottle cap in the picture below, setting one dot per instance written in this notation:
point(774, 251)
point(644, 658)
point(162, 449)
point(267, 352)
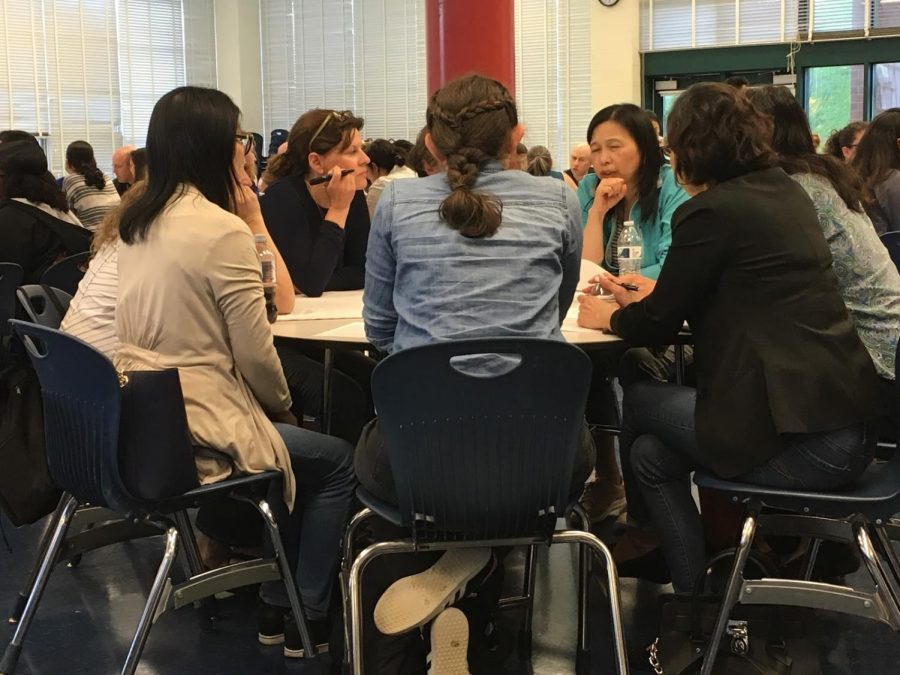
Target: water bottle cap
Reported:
point(259, 238)
point(629, 223)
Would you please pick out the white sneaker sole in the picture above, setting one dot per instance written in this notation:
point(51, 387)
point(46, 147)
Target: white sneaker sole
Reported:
point(449, 644)
point(413, 601)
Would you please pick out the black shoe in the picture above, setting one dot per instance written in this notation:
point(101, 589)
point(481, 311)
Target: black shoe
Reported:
point(651, 567)
point(319, 631)
point(271, 624)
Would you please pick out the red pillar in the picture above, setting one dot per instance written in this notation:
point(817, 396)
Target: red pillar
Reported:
point(470, 35)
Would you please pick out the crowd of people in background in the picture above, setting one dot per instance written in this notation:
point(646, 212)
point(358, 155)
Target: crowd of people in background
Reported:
point(466, 232)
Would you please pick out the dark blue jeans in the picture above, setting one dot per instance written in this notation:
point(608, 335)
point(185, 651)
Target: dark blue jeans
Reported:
point(323, 468)
point(659, 452)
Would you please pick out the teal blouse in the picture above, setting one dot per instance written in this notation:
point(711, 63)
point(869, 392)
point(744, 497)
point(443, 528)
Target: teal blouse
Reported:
point(656, 232)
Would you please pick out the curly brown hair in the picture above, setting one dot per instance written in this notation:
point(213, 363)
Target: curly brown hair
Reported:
point(717, 134)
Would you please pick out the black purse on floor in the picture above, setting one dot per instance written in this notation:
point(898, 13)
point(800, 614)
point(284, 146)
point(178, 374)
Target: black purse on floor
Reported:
point(759, 639)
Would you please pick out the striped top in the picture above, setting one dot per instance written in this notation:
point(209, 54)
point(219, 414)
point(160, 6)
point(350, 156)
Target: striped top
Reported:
point(89, 203)
point(92, 312)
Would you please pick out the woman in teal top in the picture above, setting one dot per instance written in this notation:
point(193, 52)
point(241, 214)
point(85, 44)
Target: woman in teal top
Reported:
point(631, 183)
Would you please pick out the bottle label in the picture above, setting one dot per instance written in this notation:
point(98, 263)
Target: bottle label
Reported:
point(267, 268)
point(630, 252)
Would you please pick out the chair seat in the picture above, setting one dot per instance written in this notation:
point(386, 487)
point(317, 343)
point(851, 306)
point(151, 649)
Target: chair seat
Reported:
point(875, 494)
point(387, 511)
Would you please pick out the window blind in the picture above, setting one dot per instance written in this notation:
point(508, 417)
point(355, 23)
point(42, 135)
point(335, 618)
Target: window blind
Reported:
point(553, 73)
point(93, 69)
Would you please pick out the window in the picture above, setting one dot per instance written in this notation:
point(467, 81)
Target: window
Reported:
point(834, 97)
point(93, 69)
point(553, 74)
point(368, 57)
point(886, 87)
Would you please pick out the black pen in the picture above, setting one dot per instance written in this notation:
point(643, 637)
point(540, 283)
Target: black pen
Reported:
point(318, 180)
point(597, 289)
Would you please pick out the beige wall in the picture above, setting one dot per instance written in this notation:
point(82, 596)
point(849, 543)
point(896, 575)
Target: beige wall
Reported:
point(615, 59)
point(238, 58)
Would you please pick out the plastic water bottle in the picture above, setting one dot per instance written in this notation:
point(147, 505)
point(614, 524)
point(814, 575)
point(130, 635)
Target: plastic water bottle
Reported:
point(630, 249)
point(267, 270)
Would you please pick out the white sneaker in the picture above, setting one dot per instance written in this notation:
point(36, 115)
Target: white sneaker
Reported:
point(449, 644)
point(415, 600)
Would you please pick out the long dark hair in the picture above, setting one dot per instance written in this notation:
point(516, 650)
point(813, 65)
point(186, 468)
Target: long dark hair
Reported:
point(334, 130)
point(385, 155)
point(877, 153)
point(792, 140)
point(80, 156)
point(190, 141)
point(470, 120)
point(23, 174)
point(843, 138)
point(637, 124)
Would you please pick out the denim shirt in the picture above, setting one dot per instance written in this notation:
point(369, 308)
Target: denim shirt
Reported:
point(426, 282)
point(655, 232)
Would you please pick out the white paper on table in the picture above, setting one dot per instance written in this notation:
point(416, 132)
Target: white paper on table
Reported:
point(331, 305)
point(588, 271)
point(356, 329)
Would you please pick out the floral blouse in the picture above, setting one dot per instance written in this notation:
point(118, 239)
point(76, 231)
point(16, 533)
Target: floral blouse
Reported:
point(867, 277)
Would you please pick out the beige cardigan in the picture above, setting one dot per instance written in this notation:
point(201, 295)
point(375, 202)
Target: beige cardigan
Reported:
point(190, 297)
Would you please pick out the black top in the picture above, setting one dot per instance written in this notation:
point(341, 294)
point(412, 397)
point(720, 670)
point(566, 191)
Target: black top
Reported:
point(571, 175)
point(319, 255)
point(121, 188)
point(35, 240)
point(775, 349)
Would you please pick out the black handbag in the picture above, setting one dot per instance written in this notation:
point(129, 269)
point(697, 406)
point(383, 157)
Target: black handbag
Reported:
point(759, 639)
point(156, 455)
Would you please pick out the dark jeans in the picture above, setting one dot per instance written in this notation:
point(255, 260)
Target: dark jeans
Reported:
point(350, 392)
point(659, 452)
point(312, 532)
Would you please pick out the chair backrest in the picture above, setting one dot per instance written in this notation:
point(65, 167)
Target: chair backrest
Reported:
point(476, 456)
point(10, 277)
point(66, 274)
point(80, 389)
point(44, 305)
point(891, 240)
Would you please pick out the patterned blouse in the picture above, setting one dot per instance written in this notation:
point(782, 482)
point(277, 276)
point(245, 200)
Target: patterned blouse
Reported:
point(868, 279)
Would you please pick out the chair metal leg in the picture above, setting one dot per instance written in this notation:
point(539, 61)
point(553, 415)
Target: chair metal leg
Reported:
point(811, 557)
point(46, 537)
point(883, 588)
point(584, 570)
point(194, 561)
point(14, 649)
point(287, 577)
point(355, 589)
point(889, 553)
point(151, 608)
point(350, 536)
point(732, 589)
point(586, 539)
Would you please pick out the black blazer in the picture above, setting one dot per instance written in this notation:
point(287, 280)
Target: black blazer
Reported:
point(775, 349)
point(319, 255)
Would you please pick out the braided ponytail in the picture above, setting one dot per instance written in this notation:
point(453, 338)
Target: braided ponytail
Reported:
point(470, 120)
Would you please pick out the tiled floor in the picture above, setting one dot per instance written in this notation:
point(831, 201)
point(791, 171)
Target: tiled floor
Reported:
point(86, 619)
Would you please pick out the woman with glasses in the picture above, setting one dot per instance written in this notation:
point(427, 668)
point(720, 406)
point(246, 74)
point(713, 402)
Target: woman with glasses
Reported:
point(321, 228)
point(190, 297)
point(842, 144)
point(316, 211)
point(877, 162)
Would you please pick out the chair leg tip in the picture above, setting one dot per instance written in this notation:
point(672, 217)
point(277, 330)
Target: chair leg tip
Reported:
point(10, 658)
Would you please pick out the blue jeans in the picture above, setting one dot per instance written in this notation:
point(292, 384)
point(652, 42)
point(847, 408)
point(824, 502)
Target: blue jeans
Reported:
point(659, 452)
point(323, 468)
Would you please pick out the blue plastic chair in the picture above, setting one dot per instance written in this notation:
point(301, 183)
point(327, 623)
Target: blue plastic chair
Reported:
point(859, 514)
point(82, 403)
point(10, 277)
point(891, 240)
point(42, 308)
point(480, 461)
point(66, 274)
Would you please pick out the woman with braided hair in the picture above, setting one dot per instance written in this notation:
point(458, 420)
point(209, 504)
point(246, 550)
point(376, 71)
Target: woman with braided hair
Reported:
point(90, 193)
point(473, 252)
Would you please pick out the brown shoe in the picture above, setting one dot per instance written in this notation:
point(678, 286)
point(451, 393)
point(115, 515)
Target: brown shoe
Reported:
point(603, 499)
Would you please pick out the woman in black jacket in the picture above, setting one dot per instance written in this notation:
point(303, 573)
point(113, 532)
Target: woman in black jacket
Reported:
point(785, 388)
point(36, 227)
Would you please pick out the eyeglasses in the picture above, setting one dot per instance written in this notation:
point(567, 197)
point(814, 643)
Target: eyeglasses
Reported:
point(246, 140)
point(333, 115)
